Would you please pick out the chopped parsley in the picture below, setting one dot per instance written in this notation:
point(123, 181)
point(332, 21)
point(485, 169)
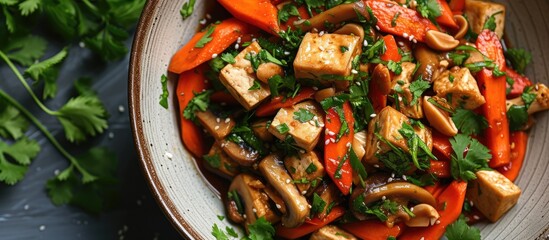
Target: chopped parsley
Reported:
point(395, 67)
point(518, 114)
point(469, 157)
point(228, 58)
point(343, 49)
point(255, 86)
point(286, 12)
point(282, 128)
point(429, 9)
point(165, 93)
point(394, 20)
point(519, 58)
point(187, 9)
point(459, 230)
point(213, 160)
point(311, 168)
point(417, 88)
point(303, 115)
point(206, 38)
point(199, 102)
point(468, 122)
point(318, 204)
point(490, 23)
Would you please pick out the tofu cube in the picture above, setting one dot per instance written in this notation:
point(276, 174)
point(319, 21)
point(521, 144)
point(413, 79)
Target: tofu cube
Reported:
point(218, 127)
point(405, 77)
point(222, 164)
point(321, 56)
point(492, 194)
point(305, 134)
point(459, 88)
point(387, 123)
point(239, 77)
point(478, 12)
point(261, 131)
point(331, 232)
point(304, 168)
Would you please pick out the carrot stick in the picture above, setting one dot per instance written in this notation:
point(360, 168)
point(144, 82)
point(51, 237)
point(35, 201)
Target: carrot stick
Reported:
point(190, 82)
point(224, 34)
point(519, 141)
point(450, 204)
point(391, 49)
point(442, 148)
point(278, 102)
point(372, 229)
point(260, 13)
point(495, 109)
point(436, 189)
point(309, 226)
point(447, 17)
point(408, 23)
point(457, 5)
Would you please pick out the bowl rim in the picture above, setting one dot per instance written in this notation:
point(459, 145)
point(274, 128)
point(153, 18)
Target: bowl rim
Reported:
point(136, 121)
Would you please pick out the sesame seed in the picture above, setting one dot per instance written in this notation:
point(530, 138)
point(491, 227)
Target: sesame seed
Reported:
point(321, 48)
point(327, 142)
point(315, 88)
point(376, 166)
point(422, 238)
point(358, 83)
point(254, 210)
point(392, 175)
point(377, 27)
point(288, 181)
point(348, 144)
point(236, 46)
point(121, 108)
point(244, 216)
point(390, 180)
point(169, 155)
point(405, 35)
point(437, 222)
point(321, 33)
point(214, 55)
point(111, 135)
point(42, 227)
point(208, 16)
point(26, 207)
point(373, 115)
point(411, 209)
point(218, 120)
point(383, 198)
point(404, 177)
point(278, 206)
point(227, 120)
point(471, 203)
point(254, 39)
point(331, 133)
point(286, 53)
point(216, 127)
point(365, 43)
point(301, 151)
point(82, 44)
point(333, 140)
point(414, 40)
point(203, 21)
point(476, 217)
point(56, 172)
point(239, 39)
point(303, 192)
point(353, 71)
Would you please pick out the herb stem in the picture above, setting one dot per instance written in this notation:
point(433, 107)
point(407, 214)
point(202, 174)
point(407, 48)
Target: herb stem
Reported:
point(25, 84)
point(87, 177)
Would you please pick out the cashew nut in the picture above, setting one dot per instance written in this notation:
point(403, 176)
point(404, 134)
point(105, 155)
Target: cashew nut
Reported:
point(268, 70)
point(440, 41)
point(425, 215)
point(438, 118)
point(463, 26)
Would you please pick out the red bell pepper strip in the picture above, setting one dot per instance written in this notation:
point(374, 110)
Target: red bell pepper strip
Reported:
point(450, 204)
point(223, 36)
point(391, 50)
point(446, 17)
point(336, 153)
point(441, 169)
point(190, 82)
point(408, 23)
point(310, 225)
point(278, 102)
point(519, 141)
point(260, 13)
point(457, 6)
point(520, 82)
point(436, 189)
point(442, 148)
point(372, 229)
point(495, 109)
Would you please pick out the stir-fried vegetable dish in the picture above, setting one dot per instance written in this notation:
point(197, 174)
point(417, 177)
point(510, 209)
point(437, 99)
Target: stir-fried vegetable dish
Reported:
point(370, 119)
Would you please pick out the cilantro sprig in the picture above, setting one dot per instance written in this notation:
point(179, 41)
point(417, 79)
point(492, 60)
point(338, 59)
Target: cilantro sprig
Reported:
point(459, 230)
point(469, 157)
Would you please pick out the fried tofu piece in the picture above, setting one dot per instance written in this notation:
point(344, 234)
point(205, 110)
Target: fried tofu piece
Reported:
point(492, 194)
point(401, 84)
point(217, 127)
point(327, 56)
point(261, 131)
point(478, 12)
point(221, 164)
point(459, 88)
point(305, 134)
point(304, 168)
point(387, 123)
point(239, 77)
point(405, 77)
point(331, 232)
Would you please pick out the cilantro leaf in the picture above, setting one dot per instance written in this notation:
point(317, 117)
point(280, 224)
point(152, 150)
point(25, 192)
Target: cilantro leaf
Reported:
point(108, 42)
point(286, 12)
point(255, 86)
point(83, 86)
point(417, 88)
point(199, 102)
point(459, 230)
point(468, 122)
point(206, 38)
point(165, 93)
point(261, 229)
point(82, 116)
point(490, 23)
point(28, 7)
point(429, 9)
point(395, 67)
point(228, 58)
point(22, 151)
point(303, 115)
point(318, 204)
point(282, 128)
point(12, 123)
point(213, 160)
point(47, 70)
point(519, 58)
point(25, 50)
point(469, 157)
point(218, 233)
point(187, 9)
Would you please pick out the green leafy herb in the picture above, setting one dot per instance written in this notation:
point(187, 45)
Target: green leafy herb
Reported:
point(47, 70)
point(394, 20)
point(356, 164)
point(279, 84)
point(218, 233)
point(231, 232)
point(26, 50)
point(429, 9)
point(395, 67)
point(12, 123)
point(233, 196)
point(311, 168)
point(286, 12)
point(213, 160)
point(468, 122)
point(459, 230)
point(417, 88)
point(318, 204)
point(82, 116)
point(228, 58)
point(519, 58)
point(490, 23)
point(417, 147)
point(343, 49)
point(282, 128)
point(165, 93)
point(187, 9)
point(21, 152)
point(374, 51)
point(464, 164)
point(261, 229)
point(199, 102)
point(255, 86)
point(206, 38)
point(458, 58)
point(303, 115)
point(518, 114)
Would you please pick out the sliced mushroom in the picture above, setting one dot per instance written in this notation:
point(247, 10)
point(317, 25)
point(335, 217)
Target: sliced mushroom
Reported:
point(250, 196)
point(324, 93)
point(242, 154)
point(267, 70)
point(440, 41)
point(352, 29)
point(541, 102)
point(331, 232)
point(359, 144)
point(463, 26)
point(297, 208)
point(404, 190)
point(439, 118)
point(219, 163)
point(424, 215)
point(428, 62)
point(340, 13)
point(218, 127)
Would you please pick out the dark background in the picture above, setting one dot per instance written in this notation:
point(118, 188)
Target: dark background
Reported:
point(26, 212)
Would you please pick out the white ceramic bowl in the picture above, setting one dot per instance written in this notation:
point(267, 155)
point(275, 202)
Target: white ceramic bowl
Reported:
point(190, 203)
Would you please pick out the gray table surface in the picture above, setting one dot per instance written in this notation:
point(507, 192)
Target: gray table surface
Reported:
point(26, 212)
